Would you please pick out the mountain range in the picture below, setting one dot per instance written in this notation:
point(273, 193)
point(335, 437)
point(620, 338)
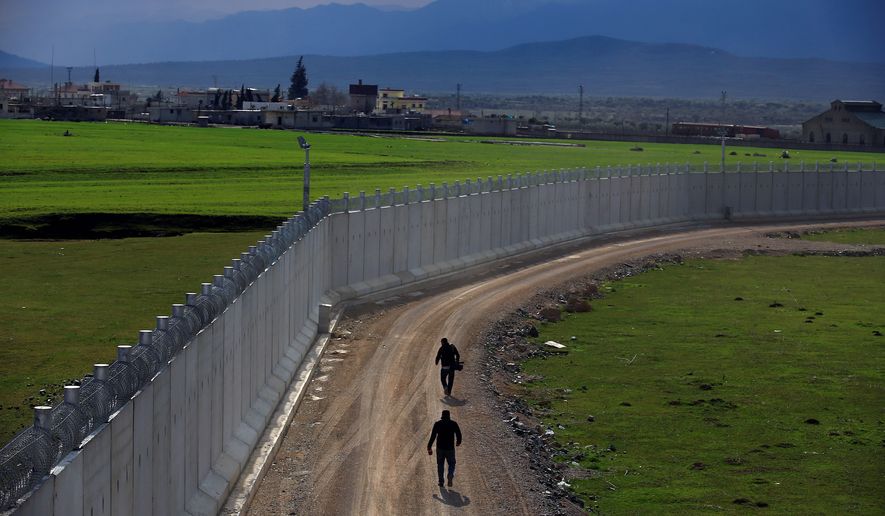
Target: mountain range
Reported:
point(8, 60)
point(604, 66)
point(848, 30)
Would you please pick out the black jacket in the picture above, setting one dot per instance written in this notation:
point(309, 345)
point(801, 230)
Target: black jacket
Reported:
point(446, 430)
point(448, 355)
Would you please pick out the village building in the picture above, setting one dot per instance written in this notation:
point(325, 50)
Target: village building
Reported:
point(363, 97)
point(14, 100)
point(391, 100)
point(848, 122)
point(11, 90)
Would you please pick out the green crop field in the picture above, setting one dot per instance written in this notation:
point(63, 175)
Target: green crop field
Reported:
point(725, 386)
point(68, 304)
point(140, 168)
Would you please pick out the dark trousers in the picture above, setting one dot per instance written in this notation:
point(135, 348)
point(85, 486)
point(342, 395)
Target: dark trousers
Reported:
point(447, 377)
point(441, 457)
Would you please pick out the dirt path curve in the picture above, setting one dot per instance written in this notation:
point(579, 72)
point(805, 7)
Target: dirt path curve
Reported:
point(358, 443)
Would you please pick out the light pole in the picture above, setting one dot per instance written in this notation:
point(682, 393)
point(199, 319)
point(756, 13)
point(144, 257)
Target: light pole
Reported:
point(306, 198)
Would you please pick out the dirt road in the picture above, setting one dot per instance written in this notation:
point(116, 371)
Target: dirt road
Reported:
point(357, 444)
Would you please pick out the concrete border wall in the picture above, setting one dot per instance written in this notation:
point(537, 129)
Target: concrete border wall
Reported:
point(179, 445)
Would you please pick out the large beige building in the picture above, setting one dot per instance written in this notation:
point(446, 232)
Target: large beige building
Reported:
point(391, 100)
point(848, 122)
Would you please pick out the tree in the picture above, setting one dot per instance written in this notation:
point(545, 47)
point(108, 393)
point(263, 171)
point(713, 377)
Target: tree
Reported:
point(276, 94)
point(95, 79)
point(298, 89)
point(327, 95)
point(241, 96)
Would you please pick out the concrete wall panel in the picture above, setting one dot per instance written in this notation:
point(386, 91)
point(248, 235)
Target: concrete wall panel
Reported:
point(644, 212)
point(340, 239)
point(485, 222)
point(372, 244)
point(178, 385)
point(204, 399)
point(825, 191)
point(880, 189)
point(97, 473)
point(810, 193)
point(388, 227)
point(534, 220)
point(715, 194)
point(452, 230)
point(495, 218)
point(400, 238)
point(161, 426)
point(747, 192)
point(732, 190)
point(505, 217)
point(356, 227)
point(68, 485)
point(852, 191)
point(697, 189)
point(417, 240)
point(840, 189)
point(121, 429)
point(426, 233)
point(192, 428)
point(440, 224)
point(654, 197)
point(143, 452)
point(605, 202)
point(868, 189)
point(780, 193)
point(795, 191)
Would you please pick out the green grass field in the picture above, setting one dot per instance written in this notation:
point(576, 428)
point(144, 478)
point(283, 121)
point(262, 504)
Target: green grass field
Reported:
point(140, 168)
point(704, 402)
point(68, 304)
point(861, 236)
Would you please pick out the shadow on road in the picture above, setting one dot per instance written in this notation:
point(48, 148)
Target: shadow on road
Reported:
point(454, 402)
point(451, 497)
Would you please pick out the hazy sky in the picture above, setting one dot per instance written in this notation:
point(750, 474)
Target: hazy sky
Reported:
point(17, 11)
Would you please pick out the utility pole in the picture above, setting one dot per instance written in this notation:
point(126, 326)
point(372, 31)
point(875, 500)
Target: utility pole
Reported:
point(52, 74)
point(722, 130)
point(581, 106)
point(305, 198)
point(458, 102)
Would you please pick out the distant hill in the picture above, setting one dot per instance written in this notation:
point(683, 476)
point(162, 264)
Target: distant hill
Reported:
point(605, 66)
point(847, 30)
point(8, 60)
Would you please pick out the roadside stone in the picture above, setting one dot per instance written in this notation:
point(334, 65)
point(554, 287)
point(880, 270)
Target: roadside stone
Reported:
point(550, 314)
point(576, 304)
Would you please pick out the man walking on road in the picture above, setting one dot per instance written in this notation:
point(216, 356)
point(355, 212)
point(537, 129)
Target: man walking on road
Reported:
point(444, 432)
point(449, 356)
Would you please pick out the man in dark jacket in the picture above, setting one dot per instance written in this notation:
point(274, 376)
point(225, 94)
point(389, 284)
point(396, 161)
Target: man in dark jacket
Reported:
point(449, 356)
point(444, 432)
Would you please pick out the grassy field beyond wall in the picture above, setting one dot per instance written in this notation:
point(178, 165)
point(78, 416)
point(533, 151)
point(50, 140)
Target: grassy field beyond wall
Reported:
point(130, 168)
point(725, 385)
